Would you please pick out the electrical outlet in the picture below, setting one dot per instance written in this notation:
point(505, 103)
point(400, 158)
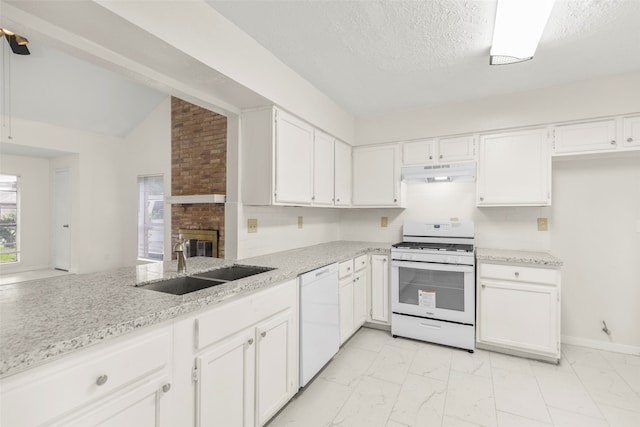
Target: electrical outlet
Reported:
point(543, 225)
point(300, 221)
point(384, 221)
point(454, 219)
point(252, 225)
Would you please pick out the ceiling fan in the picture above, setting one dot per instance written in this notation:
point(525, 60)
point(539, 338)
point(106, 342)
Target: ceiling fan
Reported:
point(18, 43)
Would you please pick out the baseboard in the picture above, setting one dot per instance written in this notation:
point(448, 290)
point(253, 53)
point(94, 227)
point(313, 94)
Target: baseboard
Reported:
point(601, 345)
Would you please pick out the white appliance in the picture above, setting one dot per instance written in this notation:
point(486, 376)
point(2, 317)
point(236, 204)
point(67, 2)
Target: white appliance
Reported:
point(455, 172)
point(433, 283)
point(319, 320)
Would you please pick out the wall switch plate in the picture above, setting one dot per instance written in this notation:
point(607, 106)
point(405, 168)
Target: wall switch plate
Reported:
point(384, 221)
point(543, 224)
point(252, 225)
point(300, 221)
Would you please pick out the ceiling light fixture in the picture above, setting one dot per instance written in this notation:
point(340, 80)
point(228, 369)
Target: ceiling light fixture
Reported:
point(518, 28)
point(18, 43)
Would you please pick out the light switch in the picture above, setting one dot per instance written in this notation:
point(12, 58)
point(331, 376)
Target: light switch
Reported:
point(252, 225)
point(300, 221)
point(384, 221)
point(543, 225)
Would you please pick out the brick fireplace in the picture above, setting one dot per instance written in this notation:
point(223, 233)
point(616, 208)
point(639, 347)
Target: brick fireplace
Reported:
point(198, 166)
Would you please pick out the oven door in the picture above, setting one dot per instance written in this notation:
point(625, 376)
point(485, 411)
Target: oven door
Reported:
point(437, 291)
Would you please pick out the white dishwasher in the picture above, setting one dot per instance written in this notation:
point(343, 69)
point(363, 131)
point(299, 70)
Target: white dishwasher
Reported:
point(319, 320)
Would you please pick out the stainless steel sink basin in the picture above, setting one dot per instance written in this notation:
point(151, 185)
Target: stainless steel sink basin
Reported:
point(182, 285)
point(234, 272)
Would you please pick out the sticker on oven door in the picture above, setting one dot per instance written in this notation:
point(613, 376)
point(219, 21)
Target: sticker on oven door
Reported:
point(427, 298)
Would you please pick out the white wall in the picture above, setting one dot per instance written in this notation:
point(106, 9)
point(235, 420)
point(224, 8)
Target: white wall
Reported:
point(147, 151)
point(595, 227)
point(96, 231)
point(34, 205)
point(278, 228)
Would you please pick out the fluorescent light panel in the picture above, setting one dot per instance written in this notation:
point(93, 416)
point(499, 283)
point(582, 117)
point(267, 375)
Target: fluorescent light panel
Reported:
point(518, 28)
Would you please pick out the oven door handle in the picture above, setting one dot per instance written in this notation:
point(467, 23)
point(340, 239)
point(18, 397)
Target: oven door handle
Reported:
point(433, 266)
point(427, 325)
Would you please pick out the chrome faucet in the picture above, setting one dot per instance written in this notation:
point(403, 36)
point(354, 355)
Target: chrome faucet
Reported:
point(179, 248)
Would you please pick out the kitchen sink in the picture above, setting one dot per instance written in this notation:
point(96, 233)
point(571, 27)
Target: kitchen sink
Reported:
point(233, 272)
point(207, 279)
point(182, 285)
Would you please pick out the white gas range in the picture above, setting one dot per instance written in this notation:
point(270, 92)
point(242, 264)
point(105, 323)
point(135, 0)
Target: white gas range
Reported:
point(433, 283)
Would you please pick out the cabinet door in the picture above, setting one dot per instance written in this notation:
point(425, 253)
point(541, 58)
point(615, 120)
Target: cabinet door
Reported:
point(456, 149)
point(225, 387)
point(144, 406)
point(631, 131)
point(418, 152)
point(346, 308)
point(342, 174)
point(519, 316)
point(514, 169)
point(376, 176)
point(294, 160)
point(585, 137)
point(380, 288)
point(359, 299)
point(277, 364)
point(323, 166)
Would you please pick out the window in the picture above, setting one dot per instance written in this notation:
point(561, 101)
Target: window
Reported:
point(151, 217)
point(9, 219)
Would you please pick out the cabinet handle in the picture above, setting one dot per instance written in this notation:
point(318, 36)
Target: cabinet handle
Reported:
point(430, 157)
point(484, 286)
point(440, 155)
point(629, 139)
point(250, 341)
point(101, 380)
point(166, 387)
point(613, 142)
point(517, 274)
point(482, 199)
point(395, 200)
point(338, 200)
point(263, 334)
point(313, 198)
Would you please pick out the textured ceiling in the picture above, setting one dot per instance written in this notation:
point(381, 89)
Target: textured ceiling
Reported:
point(376, 56)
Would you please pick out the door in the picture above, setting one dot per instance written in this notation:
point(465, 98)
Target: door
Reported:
point(379, 288)
point(323, 164)
point(583, 137)
point(456, 149)
point(276, 364)
point(294, 160)
point(631, 131)
point(359, 298)
point(438, 291)
point(514, 169)
point(62, 219)
point(342, 174)
point(225, 385)
point(346, 308)
point(376, 175)
point(519, 316)
point(418, 152)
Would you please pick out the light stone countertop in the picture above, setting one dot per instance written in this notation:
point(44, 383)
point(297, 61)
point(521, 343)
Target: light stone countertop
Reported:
point(521, 257)
point(44, 319)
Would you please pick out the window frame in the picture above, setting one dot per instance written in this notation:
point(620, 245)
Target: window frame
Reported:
point(18, 257)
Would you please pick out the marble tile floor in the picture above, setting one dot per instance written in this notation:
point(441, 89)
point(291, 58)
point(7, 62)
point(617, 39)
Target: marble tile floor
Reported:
point(378, 381)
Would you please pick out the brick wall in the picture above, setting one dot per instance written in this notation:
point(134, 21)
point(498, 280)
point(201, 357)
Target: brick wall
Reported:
point(198, 166)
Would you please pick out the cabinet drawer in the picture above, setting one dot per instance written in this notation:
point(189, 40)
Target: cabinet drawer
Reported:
point(345, 269)
point(62, 386)
point(360, 262)
point(227, 319)
point(519, 273)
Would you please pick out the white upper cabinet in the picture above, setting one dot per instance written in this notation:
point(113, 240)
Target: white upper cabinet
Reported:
point(323, 169)
point(514, 169)
point(294, 160)
point(456, 149)
point(585, 137)
point(342, 192)
point(439, 150)
point(418, 152)
point(631, 131)
point(376, 176)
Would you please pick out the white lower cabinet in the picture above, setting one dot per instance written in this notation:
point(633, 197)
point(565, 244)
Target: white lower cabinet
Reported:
point(126, 382)
point(379, 295)
point(353, 295)
point(246, 358)
point(519, 310)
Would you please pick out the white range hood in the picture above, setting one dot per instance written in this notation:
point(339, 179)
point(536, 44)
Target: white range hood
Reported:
point(460, 172)
point(199, 198)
